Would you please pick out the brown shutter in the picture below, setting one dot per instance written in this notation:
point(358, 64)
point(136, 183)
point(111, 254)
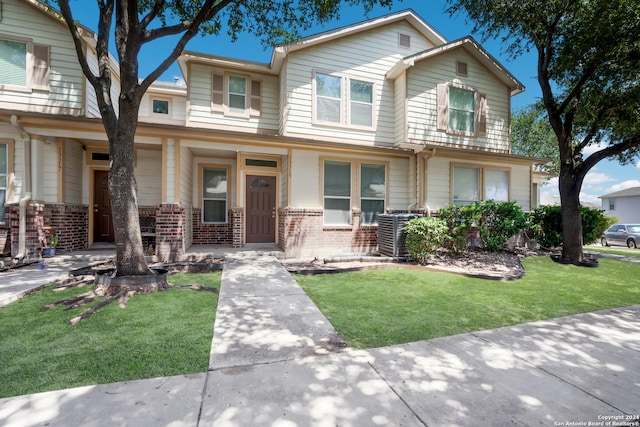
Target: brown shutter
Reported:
point(442, 100)
point(217, 92)
point(40, 69)
point(481, 114)
point(256, 97)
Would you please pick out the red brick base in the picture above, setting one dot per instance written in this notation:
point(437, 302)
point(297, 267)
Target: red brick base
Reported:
point(302, 233)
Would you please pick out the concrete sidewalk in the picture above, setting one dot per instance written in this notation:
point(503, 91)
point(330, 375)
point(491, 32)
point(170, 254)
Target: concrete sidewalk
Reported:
point(276, 361)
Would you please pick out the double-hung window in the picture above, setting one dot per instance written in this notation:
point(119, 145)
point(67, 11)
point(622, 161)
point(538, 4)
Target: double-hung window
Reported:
point(461, 110)
point(373, 190)
point(214, 195)
point(23, 64)
point(472, 184)
point(236, 95)
point(343, 101)
point(4, 178)
point(337, 192)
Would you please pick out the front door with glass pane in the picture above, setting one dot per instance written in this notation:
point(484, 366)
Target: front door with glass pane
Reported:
point(261, 209)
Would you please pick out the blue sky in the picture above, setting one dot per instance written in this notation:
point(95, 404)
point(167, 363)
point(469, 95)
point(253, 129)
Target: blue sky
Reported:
point(605, 178)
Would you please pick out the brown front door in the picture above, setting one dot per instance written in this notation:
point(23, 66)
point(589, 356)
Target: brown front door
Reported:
point(102, 222)
point(261, 209)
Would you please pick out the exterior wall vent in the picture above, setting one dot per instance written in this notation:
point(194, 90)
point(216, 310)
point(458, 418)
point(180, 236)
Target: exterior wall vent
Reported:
point(391, 237)
point(404, 40)
point(461, 68)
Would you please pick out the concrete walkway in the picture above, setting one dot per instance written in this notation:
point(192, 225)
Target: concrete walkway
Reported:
point(276, 361)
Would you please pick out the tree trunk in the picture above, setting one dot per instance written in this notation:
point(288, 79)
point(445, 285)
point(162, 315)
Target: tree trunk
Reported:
point(571, 218)
point(130, 255)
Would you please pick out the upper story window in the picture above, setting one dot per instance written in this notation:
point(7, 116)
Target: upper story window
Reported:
point(472, 184)
point(461, 110)
point(343, 101)
point(160, 106)
point(4, 178)
point(236, 95)
point(612, 204)
point(23, 64)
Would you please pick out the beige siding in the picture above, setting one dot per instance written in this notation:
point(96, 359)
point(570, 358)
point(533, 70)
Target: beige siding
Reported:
point(423, 81)
point(306, 185)
point(201, 114)
point(73, 172)
point(66, 91)
point(438, 181)
point(177, 109)
point(400, 97)
point(186, 177)
point(368, 56)
point(149, 177)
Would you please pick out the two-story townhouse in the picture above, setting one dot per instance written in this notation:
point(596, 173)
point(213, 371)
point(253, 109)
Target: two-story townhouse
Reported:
point(303, 152)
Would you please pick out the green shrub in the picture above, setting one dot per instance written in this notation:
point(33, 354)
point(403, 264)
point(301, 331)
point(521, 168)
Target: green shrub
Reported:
point(497, 222)
point(424, 236)
point(546, 223)
point(458, 220)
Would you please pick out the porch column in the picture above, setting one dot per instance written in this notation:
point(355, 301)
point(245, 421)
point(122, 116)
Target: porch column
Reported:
point(170, 231)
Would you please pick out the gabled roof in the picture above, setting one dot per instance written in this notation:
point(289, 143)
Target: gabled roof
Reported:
point(280, 52)
point(472, 47)
point(629, 192)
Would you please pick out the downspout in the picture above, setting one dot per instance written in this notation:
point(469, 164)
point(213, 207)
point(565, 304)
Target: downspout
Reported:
point(22, 226)
point(426, 158)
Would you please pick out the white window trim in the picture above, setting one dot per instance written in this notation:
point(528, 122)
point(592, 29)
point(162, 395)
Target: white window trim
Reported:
point(345, 102)
point(236, 112)
point(29, 66)
point(481, 179)
point(356, 173)
point(169, 107)
point(250, 98)
point(443, 108)
point(227, 168)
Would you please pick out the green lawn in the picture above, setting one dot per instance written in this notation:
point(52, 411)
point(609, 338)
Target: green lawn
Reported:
point(164, 333)
point(615, 250)
point(383, 307)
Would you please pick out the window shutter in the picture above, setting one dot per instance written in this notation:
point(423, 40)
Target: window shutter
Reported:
point(40, 69)
point(256, 97)
point(217, 93)
point(481, 114)
point(442, 100)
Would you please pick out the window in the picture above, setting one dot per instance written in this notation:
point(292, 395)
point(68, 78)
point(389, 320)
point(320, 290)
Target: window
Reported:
point(13, 63)
point(361, 112)
point(328, 98)
point(214, 194)
point(332, 93)
point(4, 178)
point(373, 191)
point(337, 192)
point(612, 204)
point(23, 64)
point(461, 111)
point(472, 184)
point(236, 95)
point(462, 69)
point(160, 106)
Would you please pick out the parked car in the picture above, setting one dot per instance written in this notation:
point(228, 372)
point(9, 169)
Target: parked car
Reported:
point(622, 234)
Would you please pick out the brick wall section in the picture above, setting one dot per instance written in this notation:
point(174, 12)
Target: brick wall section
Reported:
point(170, 231)
point(34, 233)
point(301, 233)
point(237, 222)
point(71, 223)
point(211, 234)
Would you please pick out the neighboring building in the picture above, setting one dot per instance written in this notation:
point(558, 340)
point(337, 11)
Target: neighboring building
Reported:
point(305, 151)
point(623, 204)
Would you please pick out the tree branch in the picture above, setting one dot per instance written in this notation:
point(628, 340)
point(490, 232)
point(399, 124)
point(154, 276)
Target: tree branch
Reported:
point(609, 151)
point(153, 13)
point(206, 13)
point(65, 10)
